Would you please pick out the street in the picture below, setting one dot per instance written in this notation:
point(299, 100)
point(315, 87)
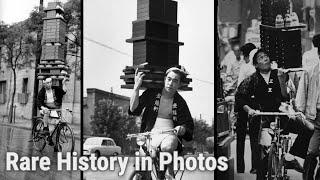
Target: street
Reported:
point(13, 139)
point(111, 175)
point(294, 175)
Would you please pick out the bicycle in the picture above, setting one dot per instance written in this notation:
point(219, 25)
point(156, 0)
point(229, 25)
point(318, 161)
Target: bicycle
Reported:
point(144, 142)
point(279, 147)
point(64, 136)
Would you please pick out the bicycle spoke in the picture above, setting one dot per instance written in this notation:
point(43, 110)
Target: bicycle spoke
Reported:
point(38, 138)
point(65, 139)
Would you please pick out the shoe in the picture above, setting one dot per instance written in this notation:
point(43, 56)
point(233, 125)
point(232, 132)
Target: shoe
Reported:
point(57, 148)
point(253, 171)
point(50, 142)
point(294, 164)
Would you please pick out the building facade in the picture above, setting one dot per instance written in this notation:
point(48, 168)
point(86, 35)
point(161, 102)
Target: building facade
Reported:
point(91, 101)
point(24, 90)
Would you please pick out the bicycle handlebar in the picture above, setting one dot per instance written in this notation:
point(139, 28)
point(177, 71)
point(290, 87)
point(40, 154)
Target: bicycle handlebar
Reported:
point(291, 70)
point(276, 114)
point(67, 109)
point(148, 133)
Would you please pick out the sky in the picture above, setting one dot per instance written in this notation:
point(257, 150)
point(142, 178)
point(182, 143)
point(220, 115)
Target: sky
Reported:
point(110, 22)
point(12, 11)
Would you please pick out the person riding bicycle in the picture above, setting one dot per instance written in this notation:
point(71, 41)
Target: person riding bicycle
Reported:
point(262, 91)
point(50, 97)
point(308, 102)
point(163, 109)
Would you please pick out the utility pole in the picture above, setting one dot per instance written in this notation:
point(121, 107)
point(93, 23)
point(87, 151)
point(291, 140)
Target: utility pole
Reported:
point(38, 56)
point(41, 6)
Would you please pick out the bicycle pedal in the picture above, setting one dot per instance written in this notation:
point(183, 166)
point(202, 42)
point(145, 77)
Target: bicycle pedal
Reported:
point(50, 142)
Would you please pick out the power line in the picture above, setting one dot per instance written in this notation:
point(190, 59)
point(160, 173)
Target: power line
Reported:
point(204, 81)
point(107, 46)
point(126, 54)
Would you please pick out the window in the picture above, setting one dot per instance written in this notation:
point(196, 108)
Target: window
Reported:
point(3, 92)
point(104, 143)
point(120, 109)
point(25, 85)
point(23, 96)
point(111, 143)
point(107, 143)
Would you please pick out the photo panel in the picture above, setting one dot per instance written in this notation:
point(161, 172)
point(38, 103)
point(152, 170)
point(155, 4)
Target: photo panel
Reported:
point(267, 51)
point(40, 82)
point(146, 38)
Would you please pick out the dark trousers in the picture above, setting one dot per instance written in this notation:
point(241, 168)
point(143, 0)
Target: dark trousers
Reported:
point(300, 146)
point(313, 152)
point(254, 142)
point(241, 137)
point(262, 164)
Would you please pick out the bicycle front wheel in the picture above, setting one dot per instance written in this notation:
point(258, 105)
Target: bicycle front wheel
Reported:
point(38, 138)
point(273, 164)
point(138, 175)
point(65, 138)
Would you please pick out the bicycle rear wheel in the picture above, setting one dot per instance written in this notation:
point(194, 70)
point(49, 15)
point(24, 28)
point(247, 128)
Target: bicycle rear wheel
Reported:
point(273, 164)
point(65, 138)
point(38, 138)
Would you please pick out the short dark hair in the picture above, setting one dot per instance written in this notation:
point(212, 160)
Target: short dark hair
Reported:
point(234, 41)
point(177, 71)
point(255, 56)
point(316, 40)
point(247, 48)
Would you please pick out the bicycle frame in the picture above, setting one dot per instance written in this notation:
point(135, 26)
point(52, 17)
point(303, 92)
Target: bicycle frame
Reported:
point(280, 141)
point(61, 123)
point(146, 151)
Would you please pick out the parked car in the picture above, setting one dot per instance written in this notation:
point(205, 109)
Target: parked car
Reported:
point(101, 146)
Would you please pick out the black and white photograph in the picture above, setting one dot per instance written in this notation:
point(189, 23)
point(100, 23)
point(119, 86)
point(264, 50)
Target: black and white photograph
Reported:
point(268, 112)
point(149, 85)
point(160, 89)
point(40, 87)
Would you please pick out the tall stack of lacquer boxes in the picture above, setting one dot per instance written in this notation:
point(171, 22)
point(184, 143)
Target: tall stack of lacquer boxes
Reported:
point(52, 63)
point(155, 43)
point(280, 37)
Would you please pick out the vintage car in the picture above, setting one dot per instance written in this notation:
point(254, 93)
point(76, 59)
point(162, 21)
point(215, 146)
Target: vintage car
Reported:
point(100, 146)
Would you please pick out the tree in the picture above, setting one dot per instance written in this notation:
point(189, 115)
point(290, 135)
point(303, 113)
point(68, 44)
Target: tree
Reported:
point(72, 15)
point(201, 131)
point(17, 49)
point(35, 24)
point(108, 121)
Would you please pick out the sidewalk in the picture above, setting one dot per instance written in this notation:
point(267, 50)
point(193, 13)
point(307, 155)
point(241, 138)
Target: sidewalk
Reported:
point(27, 125)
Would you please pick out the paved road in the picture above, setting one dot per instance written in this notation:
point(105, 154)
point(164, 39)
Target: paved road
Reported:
point(247, 176)
point(111, 175)
point(14, 139)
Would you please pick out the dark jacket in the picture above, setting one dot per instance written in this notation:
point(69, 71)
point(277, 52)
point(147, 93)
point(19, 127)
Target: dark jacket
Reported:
point(257, 94)
point(58, 94)
point(147, 101)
